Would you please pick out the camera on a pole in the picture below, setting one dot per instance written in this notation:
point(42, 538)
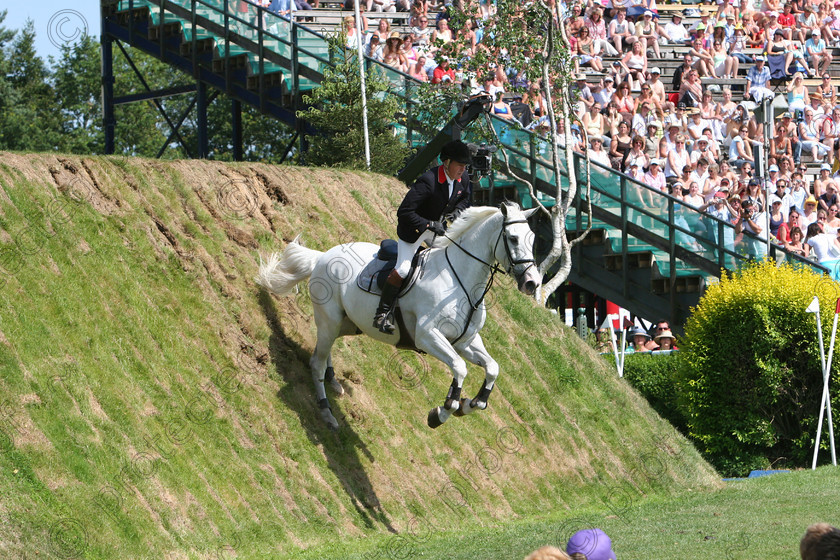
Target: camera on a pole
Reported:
point(482, 159)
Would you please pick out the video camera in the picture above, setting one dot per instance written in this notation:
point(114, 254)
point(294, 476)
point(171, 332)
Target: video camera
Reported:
point(482, 158)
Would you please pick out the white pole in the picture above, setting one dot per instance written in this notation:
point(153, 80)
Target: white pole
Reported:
point(825, 402)
point(361, 52)
point(609, 325)
point(814, 308)
point(623, 347)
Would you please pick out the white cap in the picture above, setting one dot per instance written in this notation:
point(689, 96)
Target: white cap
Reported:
point(655, 70)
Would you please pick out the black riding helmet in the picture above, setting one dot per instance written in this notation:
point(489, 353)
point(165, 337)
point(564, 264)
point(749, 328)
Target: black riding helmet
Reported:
point(456, 151)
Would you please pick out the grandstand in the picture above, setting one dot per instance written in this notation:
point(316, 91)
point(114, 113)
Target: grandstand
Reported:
point(649, 260)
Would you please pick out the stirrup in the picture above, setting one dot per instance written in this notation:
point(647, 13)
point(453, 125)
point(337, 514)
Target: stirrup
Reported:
point(385, 324)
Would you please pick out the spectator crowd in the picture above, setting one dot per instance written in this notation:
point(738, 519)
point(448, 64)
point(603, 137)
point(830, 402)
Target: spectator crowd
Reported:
point(694, 134)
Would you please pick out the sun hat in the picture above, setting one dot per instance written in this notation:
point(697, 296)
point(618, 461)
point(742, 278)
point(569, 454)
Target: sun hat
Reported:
point(721, 196)
point(773, 167)
point(663, 334)
point(700, 26)
point(825, 166)
point(594, 543)
point(811, 200)
point(785, 115)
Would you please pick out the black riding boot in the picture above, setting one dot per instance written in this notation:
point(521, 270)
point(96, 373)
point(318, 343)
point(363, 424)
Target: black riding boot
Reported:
point(384, 318)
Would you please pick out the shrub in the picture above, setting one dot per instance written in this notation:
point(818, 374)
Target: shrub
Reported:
point(750, 384)
point(336, 112)
point(653, 375)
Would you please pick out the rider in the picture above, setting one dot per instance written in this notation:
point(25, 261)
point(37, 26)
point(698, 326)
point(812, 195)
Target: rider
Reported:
point(440, 194)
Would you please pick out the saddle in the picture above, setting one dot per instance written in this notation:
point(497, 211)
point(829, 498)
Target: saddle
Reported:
point(373, 275)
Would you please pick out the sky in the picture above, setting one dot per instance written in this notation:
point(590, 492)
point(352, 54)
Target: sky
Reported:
point(56, 22)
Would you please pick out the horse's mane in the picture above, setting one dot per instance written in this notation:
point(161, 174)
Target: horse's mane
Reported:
point(470, 217)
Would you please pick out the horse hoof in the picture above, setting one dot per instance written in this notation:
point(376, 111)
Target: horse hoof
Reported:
point(329, 419)
point(337, 388)
point(434, 418)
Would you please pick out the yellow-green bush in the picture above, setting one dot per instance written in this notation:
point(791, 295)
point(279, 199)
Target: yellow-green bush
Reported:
point(751, 382)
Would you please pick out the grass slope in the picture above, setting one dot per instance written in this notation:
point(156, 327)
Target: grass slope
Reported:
point(154, 403)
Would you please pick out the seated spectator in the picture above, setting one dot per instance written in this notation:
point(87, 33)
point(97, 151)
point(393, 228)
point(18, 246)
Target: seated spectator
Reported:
point(676, 31)
point(422, 32)
point(817, 53)
point(829, 197)
point(823, 180)
point(809, 216)
point(443, 74)
point(593, 544)
point(806, 23)
point(637, 155)
point(620, 146)
point(652, 140)
point(575, 22)
point(441, 35)
point(809, 138)
point(682, 70)
point(419, 9)
point(737, 44)
point(501, 109)
point(792, 50)
point(758, 78)
point(621, 31)
point(580, 89)
point(373, 48)
point(624, 102)
point(636, 64)
point(726, 66)
point(740, 149)
point(611, 120)
point(588, 51)
point(605, 92)
point(597, 153)
point(676, 160)
point(665, 341)
point(594, 122)
point(418, 69)
point(657, 88)
point(598, 31)
point(643, 115)
point(647, 33)
point(654, 178)
point(704, 63)
point(695, 127)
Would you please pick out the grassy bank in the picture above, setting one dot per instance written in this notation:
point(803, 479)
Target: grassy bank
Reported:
point(155, 403)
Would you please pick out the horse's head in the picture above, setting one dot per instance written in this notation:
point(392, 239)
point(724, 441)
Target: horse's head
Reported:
point(517, 253)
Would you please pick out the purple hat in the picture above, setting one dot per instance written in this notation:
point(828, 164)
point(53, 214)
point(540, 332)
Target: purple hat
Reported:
point(594, 543)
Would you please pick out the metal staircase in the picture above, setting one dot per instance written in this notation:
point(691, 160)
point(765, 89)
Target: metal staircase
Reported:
point(655, 261)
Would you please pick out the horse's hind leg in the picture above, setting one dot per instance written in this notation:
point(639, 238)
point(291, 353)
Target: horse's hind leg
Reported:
point(328, 330)
point(477, 354)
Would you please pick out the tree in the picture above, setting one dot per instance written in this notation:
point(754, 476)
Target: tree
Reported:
point(530, 38)
point(336, 113)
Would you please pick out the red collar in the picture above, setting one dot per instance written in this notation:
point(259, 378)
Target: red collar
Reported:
point(442, 176)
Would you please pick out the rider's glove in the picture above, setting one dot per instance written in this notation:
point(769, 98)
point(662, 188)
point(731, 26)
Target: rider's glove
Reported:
point(437, 228)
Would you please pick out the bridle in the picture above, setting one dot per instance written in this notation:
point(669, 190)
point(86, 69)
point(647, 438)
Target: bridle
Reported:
point(494, 268)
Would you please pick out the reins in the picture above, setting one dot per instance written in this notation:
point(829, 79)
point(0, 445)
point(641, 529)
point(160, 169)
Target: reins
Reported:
point(494, 268)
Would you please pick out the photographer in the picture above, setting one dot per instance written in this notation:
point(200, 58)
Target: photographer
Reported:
point(753, 222)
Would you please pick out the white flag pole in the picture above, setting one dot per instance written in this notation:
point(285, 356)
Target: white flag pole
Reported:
point(826, 367)
point(608, 325)
point(361, 53)
point(625, 324)
point(825, 402)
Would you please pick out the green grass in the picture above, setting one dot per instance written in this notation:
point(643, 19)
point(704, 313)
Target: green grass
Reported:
point(153, 402)
point(753, 518)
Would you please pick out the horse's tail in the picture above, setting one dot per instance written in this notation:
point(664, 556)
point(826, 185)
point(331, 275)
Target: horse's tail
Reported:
point(281, 273)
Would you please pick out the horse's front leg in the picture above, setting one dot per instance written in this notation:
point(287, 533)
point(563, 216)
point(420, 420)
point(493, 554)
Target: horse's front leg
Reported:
point(435, 344)
point(477, 354)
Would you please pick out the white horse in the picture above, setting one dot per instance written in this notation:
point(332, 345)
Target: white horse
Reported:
point(443, 312)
